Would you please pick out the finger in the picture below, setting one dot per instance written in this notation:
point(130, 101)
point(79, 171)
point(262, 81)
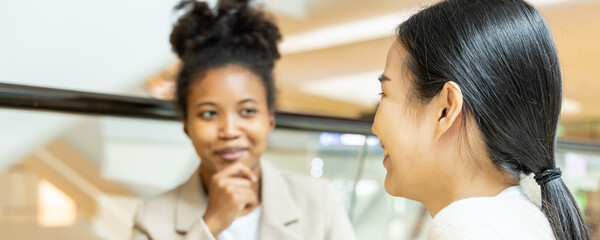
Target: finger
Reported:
point(233, 192)
point(244, 172)
point(244, 192)
point(237, 170)
point(255, 166)
point(246, 199)
point(234, 182)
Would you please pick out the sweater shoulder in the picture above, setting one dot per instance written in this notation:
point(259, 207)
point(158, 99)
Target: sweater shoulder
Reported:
point(500, 217)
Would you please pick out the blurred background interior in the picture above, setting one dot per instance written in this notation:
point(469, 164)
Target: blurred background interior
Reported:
point(74, 175)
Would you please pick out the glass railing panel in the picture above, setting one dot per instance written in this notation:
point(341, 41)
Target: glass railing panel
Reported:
point(141, 157)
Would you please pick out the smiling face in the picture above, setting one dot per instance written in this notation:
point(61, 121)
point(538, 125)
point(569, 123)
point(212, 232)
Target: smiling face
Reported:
point(404, 127)
point(228, 119)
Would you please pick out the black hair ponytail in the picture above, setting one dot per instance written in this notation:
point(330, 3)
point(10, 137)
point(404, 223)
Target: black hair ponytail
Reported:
point(559, 206)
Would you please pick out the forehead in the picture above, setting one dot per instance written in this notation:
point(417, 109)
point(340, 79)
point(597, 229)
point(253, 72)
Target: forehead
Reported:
point(396, 56)
point(227, 82)
point(397, 70)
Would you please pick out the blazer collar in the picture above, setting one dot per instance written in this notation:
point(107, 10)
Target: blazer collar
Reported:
point(280, 211)
point(191, 203)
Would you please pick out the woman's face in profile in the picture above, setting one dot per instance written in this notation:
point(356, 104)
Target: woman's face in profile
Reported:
point(402, 125)
point(228, 119)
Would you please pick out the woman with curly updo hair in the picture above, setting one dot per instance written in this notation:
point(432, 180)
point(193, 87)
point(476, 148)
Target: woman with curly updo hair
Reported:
point(226, 98)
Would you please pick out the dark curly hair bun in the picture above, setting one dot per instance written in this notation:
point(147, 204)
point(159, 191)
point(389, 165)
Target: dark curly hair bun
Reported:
point(234, 33)
point(233, 24)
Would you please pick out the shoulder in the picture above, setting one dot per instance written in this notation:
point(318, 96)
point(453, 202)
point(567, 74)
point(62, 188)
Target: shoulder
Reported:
point(501, 217)
point(162, 205)
point(318, 204)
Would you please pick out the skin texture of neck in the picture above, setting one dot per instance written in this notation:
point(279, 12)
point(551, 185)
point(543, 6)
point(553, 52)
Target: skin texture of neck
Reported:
point(477, 187)
point(470, 178)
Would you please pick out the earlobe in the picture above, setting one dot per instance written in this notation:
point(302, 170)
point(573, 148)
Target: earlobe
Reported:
point(185, 129)
point(272, 121)
point(450, 105)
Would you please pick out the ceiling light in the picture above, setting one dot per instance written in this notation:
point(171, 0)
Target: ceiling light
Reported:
point(345, 33)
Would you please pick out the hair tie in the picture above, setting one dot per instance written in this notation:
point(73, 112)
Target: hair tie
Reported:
point(547, 175)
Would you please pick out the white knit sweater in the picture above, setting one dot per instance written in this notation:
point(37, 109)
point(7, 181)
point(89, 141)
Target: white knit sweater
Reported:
point(508, 215)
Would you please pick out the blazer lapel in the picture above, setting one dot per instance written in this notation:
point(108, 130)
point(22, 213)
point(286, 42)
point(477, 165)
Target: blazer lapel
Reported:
point(279, 210)
point(191, 204)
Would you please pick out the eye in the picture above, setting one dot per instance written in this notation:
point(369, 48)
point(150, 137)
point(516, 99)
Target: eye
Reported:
point(248, 112)
point(208, 114)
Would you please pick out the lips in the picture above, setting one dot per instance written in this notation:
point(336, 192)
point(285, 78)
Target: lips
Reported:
point(231, 154)
point(385, 153)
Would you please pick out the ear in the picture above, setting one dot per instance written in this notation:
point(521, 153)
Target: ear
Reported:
point(185, 128)
point(272, 121)
point(449, 107)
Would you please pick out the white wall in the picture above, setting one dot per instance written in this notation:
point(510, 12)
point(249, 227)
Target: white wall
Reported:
point(99, 46)
point(149, 156)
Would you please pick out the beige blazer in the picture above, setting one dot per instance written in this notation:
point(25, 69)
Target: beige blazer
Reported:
point(293, 207)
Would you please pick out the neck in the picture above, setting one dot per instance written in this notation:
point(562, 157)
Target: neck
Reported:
point(482, 181)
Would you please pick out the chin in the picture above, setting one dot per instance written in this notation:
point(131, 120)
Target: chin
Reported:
point(249, 161)
point(389, 186)
point(396, 188)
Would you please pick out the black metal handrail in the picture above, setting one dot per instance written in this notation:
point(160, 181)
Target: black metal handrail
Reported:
point(79, 102)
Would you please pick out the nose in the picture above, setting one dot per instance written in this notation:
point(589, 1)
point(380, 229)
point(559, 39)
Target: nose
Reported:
point(229, 127)
point(373, 129)
point(374, 125)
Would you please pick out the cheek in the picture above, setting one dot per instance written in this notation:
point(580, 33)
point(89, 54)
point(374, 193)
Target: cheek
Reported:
point(405, 140)
point(384, 119)
point(202, 135)
point(258, 132)
point(413, 151)
point(394, 124)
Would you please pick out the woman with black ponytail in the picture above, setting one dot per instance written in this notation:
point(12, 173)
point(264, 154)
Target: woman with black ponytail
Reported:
point(471, 97)
point(226, 97)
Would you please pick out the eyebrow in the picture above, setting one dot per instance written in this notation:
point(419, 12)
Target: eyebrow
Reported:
point(205, 103)
point(214, 104)
point(382, 78)
point(247, 100)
